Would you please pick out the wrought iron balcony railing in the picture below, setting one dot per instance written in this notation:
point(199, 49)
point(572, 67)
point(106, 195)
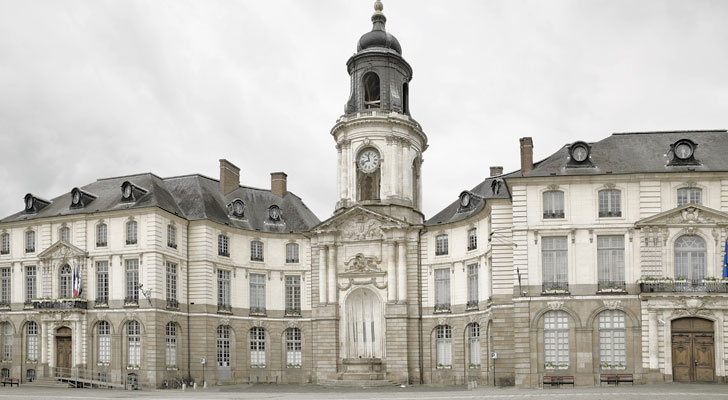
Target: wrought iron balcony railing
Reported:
point(59, 304)
point(682, 286)
point(172, 303)
point(292, 312)
point(442, 307)
point(611, 286)
point(555, 288)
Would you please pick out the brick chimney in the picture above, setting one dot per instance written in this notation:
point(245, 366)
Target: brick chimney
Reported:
point(495, 171)
point(526, 155)
point(279, 183)
point(229, 176)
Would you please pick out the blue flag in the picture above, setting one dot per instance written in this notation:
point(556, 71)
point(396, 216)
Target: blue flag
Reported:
point(725, 260)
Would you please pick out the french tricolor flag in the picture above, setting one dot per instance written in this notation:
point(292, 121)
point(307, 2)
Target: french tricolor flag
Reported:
point(77, 290)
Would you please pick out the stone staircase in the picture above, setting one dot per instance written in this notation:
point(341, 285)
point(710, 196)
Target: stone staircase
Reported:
point(361, 373)
point(48, 382)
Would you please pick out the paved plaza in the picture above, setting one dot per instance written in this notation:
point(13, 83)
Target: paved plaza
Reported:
point(298, 392)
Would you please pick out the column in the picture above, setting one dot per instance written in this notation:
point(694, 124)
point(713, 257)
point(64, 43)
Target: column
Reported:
point(406, 171)
point(340, 171)
point(402, 271)
point(653, 350)
point(391, 274)
point(394, 155)
point(43, 335)
point(322, 274)
point(332, 274)
point(400, 167)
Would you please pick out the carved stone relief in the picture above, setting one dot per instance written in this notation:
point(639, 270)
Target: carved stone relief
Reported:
point(362, 264)
point(362, 228)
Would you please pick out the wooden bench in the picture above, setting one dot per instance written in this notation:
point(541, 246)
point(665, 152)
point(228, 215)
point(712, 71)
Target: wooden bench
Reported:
point(616, 379)
point(11, 382)
point(558, 380)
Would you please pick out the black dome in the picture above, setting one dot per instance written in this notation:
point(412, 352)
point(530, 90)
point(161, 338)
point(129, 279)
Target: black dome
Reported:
point(377, 38)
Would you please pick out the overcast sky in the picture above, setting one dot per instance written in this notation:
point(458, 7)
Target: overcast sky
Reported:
point(94, 89)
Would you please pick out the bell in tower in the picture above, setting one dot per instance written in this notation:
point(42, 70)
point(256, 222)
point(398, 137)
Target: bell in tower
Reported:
point(380, 145)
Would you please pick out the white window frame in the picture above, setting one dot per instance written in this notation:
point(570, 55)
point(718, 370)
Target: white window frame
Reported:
point(5, 286)
point(171, 284)
point(223, 346)
point(443, 344)
point(689, 195)
point(610, 261)
point(170, 339)
point(293, 295)
point(473, 285)
point(134, 346)
point(223, 245)
point(612, 340)
point(65, 282)
point(102, 282)
point(610, 203)
point(104, 346)
point(223, 290)
point(441, 245)
point(293, 348)
point(555, 262)
point(257, 293)
point(32, 341)
point(256, 251)
point(691, 262)
point(102, 235)
point(474, 339)
point(31, 278)
point(5, 244)
point(472, 239)
point(7, 331)
point(442, 290)
point(30, 241)
point(292, 253)
point(132, 228)
point(554, 204)
point(171, 236)
point(132, 281)
point(556, 339)
point(64, 231)
point(257, 347)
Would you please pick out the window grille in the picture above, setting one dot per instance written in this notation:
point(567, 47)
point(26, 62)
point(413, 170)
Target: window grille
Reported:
point(556, 339)
point(444, 346)
point(65, 234)
point(256, 251)
point(30, 241)
point(171, 285)
point(171, 236)
point(610, 203)
point(472, 239)
point(222, 246)
point(104, 331)
point(473, 285)
point(474, 336)
point(134, 344)
point(102, 282)
point(257, 347)
point(293, 347)
point(690, 258)
point(30, 279)
point(553, 204)
point(223, 346)
point(5, 286)
point(5, 247)
point(32, 339)
point(171, 345)
point(441, 245)
point(7, 341)
point(612, 339)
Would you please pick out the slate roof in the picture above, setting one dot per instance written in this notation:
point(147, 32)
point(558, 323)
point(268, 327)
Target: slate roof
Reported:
point(193, 197)
point(640, 152)
point(481, 193)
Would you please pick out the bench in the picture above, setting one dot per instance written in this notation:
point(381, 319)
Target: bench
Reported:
point(558, 380)
point(11, 382)
point(616, 379)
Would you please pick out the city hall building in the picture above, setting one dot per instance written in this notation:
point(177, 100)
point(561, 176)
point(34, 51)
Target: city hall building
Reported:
point(603, 258)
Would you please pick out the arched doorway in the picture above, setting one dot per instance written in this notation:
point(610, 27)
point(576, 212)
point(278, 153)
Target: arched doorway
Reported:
point(64, 354)
point(693, 355)
point(364, 324)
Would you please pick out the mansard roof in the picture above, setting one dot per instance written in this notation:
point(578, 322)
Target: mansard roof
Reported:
point(490, 188)
point(192, 197)
point(639, 152)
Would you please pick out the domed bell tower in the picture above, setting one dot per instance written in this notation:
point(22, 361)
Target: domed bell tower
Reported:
point(379, 144)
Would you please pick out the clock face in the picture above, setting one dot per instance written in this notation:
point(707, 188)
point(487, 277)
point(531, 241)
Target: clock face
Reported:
point(579, 153)
point(29, 203)
point(127, 191)
point(368, 160)
point(465, 200)
point(683, 151)
point(238, 208)
point(76, 197)
point(274, 213)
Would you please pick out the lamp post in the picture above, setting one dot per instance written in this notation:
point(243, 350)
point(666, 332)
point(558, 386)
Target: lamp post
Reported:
point(202, 361)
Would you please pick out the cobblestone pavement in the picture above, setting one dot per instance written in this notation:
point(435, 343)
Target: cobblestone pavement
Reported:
point(663, 391)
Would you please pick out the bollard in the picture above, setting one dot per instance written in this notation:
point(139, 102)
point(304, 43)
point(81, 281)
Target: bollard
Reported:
point(184, 385)
point(204, 385)
point(194, 386)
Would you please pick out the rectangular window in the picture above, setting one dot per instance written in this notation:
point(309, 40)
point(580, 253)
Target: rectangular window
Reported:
point(131, 232)
point(293, 348)
point(5, 247)
point(171, 345)
point(688, 196)
point(472, 285)
point(101, 233)
point(30, 279)
point(29, 241)
point(171, 236)
point(172, 285)
point(5, 287)
point(223, 290)
point(556, 339)
point(472, 239)
point(102, 282)
point(553, 204)
point(7, 341)
point(442, 289)
point(612, 340)
point(222, 246)
point(610, 261)
point(65, 234)
point(257, 294)
point(291, 253)
point(256, 251)
point(293, 295)
point(554, 263)
point(441, 245)
point(610, 203)
point(132, 281)
point(32, 341)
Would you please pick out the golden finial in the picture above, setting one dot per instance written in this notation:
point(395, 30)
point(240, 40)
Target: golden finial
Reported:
point(378, 6)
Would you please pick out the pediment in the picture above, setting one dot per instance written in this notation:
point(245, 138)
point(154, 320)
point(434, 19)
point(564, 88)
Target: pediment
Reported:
point(690, 214)
point(359, 223)
point(62, 250)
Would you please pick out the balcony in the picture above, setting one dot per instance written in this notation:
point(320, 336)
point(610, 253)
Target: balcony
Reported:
point(681, 286)
point(471, 305)
point(59, 304)
point(172, 303)
point(257, 311)
point(131, 301)
point(442, 308)
point(611, 287)
point(293, 312)
point(224, 308)
point(550, 288)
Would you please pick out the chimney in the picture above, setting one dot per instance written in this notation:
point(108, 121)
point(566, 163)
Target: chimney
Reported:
point(526, 155)
point(495, 171)
point(229, 176)
point(279, 183)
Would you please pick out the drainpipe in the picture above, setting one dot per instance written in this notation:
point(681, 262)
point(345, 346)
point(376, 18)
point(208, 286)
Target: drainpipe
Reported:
point(419, 304)
point(189, 337)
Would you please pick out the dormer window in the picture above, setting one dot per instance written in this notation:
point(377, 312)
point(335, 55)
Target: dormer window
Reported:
point(579, 153)
point(34, 204)
point(465, 199)
point(237, 208)
point(80, 199)
point(274, 213)
point(131, 192)
point(683, 153)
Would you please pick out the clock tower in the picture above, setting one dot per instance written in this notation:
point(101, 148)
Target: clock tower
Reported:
point(379, 144)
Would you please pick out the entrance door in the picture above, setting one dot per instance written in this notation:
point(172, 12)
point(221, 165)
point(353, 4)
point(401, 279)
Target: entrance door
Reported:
point(693, 357)
point(63, 352)
point(364, 315)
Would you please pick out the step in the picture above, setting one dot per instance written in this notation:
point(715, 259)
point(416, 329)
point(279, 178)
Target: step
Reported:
point(363, 376)
point(48, 382)
point(363, 383)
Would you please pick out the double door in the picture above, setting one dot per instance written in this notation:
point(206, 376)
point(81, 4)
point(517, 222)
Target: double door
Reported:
point(693, 357)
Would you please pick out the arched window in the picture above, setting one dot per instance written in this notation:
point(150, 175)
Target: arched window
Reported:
point(443, 340)
point(370, 84)
point(104, 333)
point(689, 195)
point(65, 283)
point(293, 348)
point(131, 232)
point(223, 346)
point(64, 234)
point(612, 340)
point(256, 250)
point(32, 340)
point(610, 203)
point(171, 345)
point(292, 252)
point(134, 344)
point(7, 331)
point(690, 258)
point(474, 338)
point(556, 339)
point(101, 235)
point(257, 347)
